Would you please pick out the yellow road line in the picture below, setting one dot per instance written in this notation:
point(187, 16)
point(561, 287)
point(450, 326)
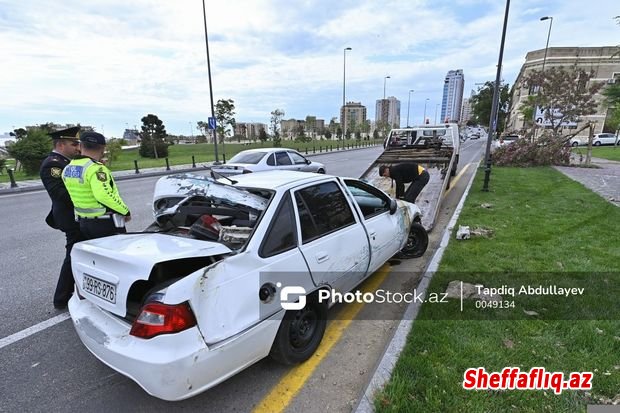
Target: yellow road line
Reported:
point(287, 388)
point(456, 178)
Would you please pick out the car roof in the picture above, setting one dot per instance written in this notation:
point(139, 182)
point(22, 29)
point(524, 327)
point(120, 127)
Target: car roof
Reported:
point(266, 150)
point(276, 179)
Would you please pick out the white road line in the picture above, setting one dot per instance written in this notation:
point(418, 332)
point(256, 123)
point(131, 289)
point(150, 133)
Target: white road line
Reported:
point(13, 338)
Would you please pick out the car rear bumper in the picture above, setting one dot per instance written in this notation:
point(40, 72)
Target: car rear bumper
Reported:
point(169, 366)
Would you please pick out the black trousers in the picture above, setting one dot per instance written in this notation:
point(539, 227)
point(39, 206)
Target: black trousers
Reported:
point(416, 187)
point(99, 228)
point(64, 287)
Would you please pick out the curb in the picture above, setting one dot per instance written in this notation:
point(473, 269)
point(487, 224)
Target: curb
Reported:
point(146, 174)
point(396, 345)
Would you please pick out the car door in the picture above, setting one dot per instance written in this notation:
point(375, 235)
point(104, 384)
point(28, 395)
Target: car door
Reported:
point(381, 226)
point(283, 161)
point(334, 243)
point(300, 162)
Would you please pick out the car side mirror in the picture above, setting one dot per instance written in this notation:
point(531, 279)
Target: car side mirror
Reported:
point(393, 206)
point(308, 161)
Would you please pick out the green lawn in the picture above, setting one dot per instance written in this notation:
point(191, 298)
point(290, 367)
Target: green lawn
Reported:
point(606, 152)
point(204, 152)
point(548, 229)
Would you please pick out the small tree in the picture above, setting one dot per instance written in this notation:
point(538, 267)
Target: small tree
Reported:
point(327, 133)
point(113, 149)
point(31, 149)
point(612, 101)
point(225, 115)
point(276, 120)
point(262, 135)
point(153, 137)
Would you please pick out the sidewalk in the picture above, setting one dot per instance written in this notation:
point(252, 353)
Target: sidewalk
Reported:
point(603, 179)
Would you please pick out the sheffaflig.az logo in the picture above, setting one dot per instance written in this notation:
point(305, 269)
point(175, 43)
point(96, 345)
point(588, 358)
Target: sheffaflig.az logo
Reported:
point(292, 297)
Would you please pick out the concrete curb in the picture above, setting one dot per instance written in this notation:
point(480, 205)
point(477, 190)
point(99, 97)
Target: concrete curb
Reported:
point(125, 176)
point(395, 346)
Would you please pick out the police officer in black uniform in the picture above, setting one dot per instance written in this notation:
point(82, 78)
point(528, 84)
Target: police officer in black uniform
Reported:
point(62, 216)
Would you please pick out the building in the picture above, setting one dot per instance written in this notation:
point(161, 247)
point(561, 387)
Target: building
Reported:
point(452, 99)
point(354, 113)
point(604, 62)
point(131, 136)
point(312, 127)
point(388, 111)
point(465, 112)
point(249, 130)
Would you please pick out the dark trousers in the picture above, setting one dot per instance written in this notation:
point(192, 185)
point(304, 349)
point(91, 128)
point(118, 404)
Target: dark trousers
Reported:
point(416, 187)
point(99, 228)
point(64, 287)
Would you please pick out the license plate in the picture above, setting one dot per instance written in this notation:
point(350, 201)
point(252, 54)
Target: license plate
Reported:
point(99, 288)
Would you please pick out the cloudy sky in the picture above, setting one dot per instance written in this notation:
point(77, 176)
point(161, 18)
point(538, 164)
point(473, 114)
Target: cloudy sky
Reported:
point(107, 63)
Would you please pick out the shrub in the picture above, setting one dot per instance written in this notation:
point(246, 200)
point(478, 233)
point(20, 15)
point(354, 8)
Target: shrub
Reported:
point(31, 150)
point(542, 152)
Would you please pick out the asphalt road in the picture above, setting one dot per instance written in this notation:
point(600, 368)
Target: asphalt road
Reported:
point(52, 371)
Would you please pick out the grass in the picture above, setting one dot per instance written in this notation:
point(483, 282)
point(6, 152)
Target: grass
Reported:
point(606, 152)
point(203, 152)
point(548, 229)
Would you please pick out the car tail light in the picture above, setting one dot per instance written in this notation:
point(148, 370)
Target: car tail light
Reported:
point(247, 171)
point(158, 318)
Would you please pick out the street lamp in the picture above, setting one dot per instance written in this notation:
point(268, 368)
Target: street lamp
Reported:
point(385, 80)
point(344, 82)
point(424, 118)
point(548, 35)
point(436, 107)
point(204, 15)
point(408, 104)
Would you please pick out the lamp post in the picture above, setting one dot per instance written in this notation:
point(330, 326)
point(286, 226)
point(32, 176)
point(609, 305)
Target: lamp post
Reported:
point(436, 107)
point(344, 82)
point(424, 118)
point(548, 36)
point(384, 81)
point(408, 104)
point(204, 16)
point(495, 105)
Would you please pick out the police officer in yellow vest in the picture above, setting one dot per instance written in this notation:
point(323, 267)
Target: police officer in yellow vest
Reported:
point(97, 203)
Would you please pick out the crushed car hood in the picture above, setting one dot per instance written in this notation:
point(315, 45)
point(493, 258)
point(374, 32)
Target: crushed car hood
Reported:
point(121, 260)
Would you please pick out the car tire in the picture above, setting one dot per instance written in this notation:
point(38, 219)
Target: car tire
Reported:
point(597, 143)
point(417, 242)
point(300, 333)
point(575, 144)
point(320, 171)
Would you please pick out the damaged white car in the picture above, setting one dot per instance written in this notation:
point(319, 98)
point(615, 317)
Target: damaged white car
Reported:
point(197, 296)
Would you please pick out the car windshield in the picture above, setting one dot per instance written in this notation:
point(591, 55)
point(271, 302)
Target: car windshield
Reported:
point(247, 157)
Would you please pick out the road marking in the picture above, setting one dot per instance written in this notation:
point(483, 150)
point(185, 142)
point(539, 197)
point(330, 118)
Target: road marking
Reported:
point(456, 178)
point(283, 393)
point(13, 338)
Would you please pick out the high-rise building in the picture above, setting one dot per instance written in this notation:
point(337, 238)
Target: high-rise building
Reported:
point(388, 111)
point(355, 115)
point(452, 96)
point(465, 111)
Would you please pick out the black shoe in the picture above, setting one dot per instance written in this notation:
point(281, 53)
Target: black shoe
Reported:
point(60, 306)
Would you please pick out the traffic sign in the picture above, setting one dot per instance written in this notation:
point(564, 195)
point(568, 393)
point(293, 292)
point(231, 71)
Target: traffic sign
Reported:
point(212, 123)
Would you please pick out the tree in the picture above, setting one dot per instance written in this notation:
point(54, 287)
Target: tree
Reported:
point(31, 149)
point(327, 133)
point(205, 132)
point(301, 134)
point(262, 135)
point(563, 96)
point(482, 102)
point(375, 134)
point(612, 101)
point(113, 149)
point(19, 133)
point(153, 137)
point(225, 115)
point(339, 133)
point(276, 120)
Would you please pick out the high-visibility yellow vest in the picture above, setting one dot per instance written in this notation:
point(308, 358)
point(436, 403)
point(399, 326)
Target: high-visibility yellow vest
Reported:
point(92, 189)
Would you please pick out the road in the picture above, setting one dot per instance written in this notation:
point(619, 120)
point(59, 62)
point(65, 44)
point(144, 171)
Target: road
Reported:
point(52, 371)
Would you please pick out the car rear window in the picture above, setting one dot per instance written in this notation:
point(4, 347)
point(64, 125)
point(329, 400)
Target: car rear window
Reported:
point(247, 157)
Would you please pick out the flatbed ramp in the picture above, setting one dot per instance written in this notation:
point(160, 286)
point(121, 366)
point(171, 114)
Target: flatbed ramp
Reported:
point(437, 161)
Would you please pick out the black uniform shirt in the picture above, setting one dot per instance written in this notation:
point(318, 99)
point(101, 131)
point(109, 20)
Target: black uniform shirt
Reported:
point(403, 173)
point(61, 215)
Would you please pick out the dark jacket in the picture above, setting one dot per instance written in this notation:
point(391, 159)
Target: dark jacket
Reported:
point(61, 216)
point(404, 173)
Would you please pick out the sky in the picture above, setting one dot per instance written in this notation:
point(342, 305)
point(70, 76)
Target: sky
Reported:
point(108, 63)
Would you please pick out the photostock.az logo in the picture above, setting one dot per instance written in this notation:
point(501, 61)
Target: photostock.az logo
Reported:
point(298, 299)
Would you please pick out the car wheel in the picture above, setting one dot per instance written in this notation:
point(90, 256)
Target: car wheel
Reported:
point(597, 143)
point(575, 144)
point(320, 171)
point(417, 242)
point(300, 333)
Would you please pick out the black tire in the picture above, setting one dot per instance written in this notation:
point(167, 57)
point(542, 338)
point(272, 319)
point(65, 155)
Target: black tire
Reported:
point(300, 333)
point(417, 242)
point(320, 171)
point(598, 143)
point(575, 144)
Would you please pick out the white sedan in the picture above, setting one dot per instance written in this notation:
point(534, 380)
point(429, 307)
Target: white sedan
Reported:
point(266, 159)
point(229, 274)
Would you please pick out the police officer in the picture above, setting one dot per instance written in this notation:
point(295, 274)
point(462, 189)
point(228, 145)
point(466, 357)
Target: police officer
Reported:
point(403, 173)
point(61, 215)
point(97, 203)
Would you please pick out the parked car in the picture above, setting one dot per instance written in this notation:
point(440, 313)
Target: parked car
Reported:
point(199, 296)
point(265, 159)
point(597, 140)
point(505, 140)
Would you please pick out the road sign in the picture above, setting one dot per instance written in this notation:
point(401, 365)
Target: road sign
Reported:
point(212, 123)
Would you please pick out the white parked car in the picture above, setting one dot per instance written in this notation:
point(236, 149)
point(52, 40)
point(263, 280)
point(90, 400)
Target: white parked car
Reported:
point(597, 140)
point(200, 295)
point(265, 159)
